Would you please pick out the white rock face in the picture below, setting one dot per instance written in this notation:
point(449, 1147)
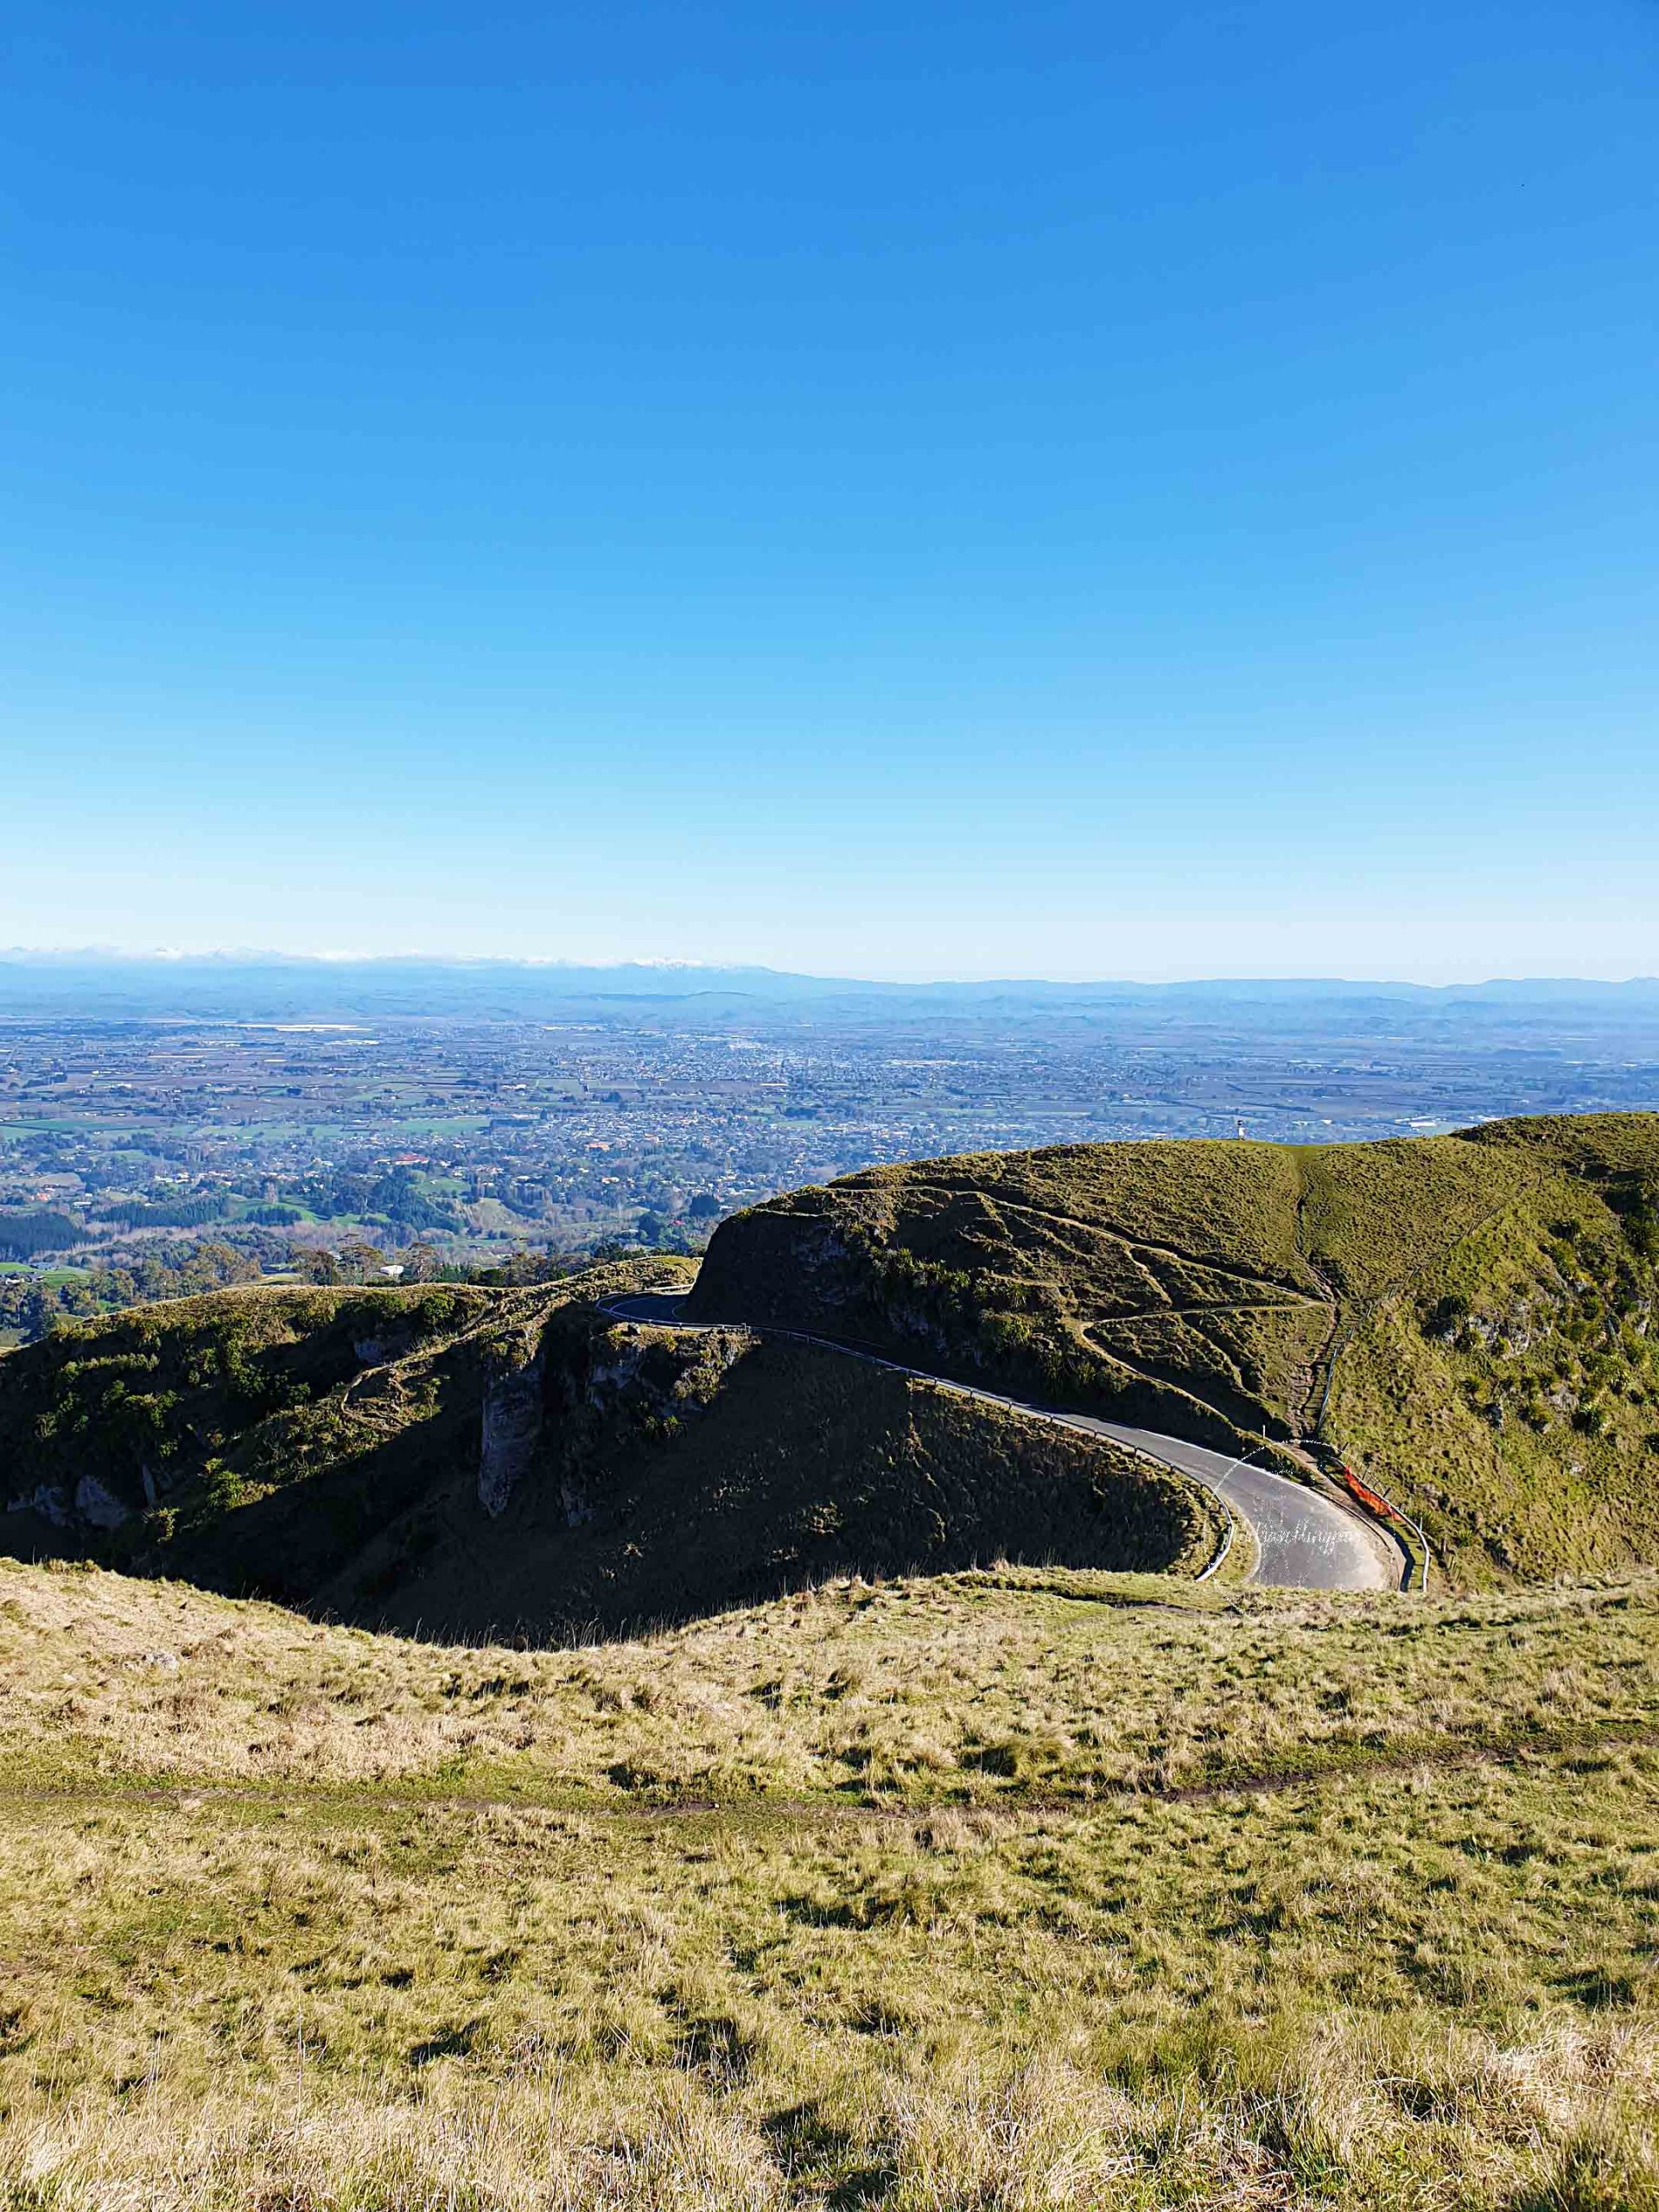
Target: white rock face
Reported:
point(375, 1351)
point(97, 1506)
point(91, 1503)
point(512, 1427)
point(50, 1502)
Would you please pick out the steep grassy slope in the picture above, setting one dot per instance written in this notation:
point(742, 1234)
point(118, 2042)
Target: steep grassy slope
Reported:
point(470, 1459)
point(1469, 1319)
point(1011, 1891)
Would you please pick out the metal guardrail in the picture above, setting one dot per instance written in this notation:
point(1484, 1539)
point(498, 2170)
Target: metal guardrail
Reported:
point(1382, 1507)
point(1229, 1529)
point(1215, 1490)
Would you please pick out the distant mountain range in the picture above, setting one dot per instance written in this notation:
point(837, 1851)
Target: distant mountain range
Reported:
point(248, 986)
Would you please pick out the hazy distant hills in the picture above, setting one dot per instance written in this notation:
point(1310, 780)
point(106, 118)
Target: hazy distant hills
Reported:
point(270, 987)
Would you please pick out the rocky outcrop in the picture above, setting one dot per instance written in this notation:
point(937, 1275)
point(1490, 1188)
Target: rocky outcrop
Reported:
point(97, 1506)
point(91, 1504)
point(49, 1500)
point(790, 1265)
point(511, 1429)
point(386, 1345)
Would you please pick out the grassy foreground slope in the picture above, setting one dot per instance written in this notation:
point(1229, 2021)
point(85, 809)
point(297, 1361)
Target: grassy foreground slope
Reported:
point(467, 1458)
point(1470, 1321)
point(995, 1889)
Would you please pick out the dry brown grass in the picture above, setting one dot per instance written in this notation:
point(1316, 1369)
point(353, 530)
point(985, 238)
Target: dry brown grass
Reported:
point(432, 1946)
point(967, 1687)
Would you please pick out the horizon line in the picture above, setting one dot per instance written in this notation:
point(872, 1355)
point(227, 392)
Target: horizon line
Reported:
point(552, 965)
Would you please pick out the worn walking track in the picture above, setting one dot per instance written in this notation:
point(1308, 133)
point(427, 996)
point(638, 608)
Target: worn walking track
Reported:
point(1425, 1754)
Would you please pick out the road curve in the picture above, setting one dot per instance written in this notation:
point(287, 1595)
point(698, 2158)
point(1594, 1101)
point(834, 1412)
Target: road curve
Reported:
point(1303, 1540)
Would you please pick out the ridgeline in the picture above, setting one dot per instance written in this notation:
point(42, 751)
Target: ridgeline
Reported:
point(1469, 1321)
point(462, 1460)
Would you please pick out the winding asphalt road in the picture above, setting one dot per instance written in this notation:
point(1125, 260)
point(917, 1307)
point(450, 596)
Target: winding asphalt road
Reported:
point(1303, 1540)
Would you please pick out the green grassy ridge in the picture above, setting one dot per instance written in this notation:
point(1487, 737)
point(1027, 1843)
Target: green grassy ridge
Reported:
point(324, 1446)
point(258, 1437)
point(791, 1465)
point(227, 1393)
point(1470, 1321)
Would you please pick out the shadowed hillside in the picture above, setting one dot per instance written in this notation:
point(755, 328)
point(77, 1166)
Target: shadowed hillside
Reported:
point(1469, 1319)
point(460, 1459)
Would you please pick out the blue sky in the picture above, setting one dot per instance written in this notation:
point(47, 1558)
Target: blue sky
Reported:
point(1055, 490)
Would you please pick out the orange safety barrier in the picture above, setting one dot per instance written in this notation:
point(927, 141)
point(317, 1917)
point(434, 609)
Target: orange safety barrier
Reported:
point(1378, 1505)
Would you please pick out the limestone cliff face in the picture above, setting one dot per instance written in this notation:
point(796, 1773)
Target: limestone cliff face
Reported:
point(544, 1413)
point(511, 1429)
point(789, 1264)
point(97, 1505)
point(90, 1504)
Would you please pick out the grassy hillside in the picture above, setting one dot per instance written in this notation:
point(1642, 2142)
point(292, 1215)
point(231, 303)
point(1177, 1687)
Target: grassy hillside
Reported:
point(470, 1459)
point(1469, 1319)
point(1012, 1890)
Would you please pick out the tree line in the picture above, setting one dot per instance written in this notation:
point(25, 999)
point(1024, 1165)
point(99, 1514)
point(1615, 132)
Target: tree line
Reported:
point(24, 1235)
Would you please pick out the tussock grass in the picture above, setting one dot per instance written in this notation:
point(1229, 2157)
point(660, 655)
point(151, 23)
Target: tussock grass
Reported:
point(812, 1904)
point(968, 1690)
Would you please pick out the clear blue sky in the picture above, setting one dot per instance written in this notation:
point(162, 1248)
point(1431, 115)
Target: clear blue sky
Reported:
point(1046, 490)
